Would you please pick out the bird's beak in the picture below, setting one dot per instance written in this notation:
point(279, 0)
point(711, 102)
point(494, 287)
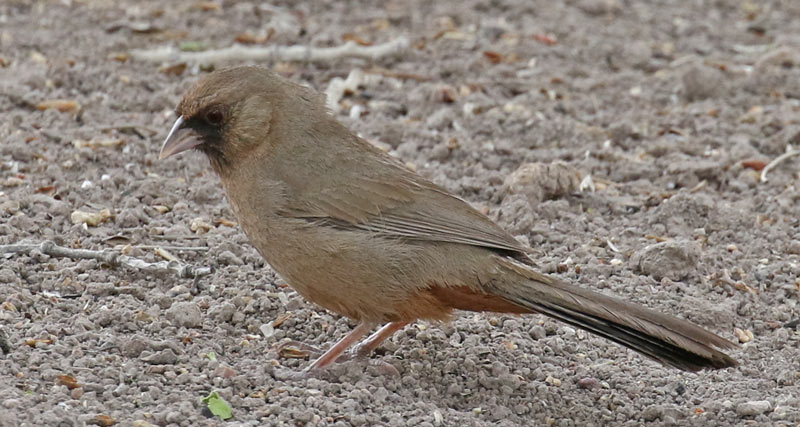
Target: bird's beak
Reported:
point(180, 138)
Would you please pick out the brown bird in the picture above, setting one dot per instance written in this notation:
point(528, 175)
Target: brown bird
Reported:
point(356, 232)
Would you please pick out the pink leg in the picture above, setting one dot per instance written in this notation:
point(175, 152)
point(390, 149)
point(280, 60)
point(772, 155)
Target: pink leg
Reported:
point(368, 345)
point(334, 352)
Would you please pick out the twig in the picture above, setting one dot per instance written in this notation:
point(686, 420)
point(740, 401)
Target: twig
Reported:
point(175, 248)
point(398, 74)
point(109, 257)
point(274, 53)
point(140, 130)
point(775, 162)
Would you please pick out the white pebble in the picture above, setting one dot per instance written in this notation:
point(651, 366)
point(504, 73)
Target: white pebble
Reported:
point(355, 112)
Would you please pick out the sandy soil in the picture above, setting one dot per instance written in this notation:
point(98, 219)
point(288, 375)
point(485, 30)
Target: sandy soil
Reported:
point(672, 107)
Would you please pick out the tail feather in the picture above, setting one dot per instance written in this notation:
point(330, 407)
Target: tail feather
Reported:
point(664, 338)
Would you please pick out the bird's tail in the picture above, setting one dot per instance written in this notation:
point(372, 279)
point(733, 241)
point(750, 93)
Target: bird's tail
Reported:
point(664, 338)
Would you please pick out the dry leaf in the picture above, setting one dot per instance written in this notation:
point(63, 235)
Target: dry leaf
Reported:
point(293, 353)
point(47, 189)
point(120, 56)
point(173, 70)
point(33, 342)
point(493, 57)
point(355, 38)
point(209, 6)
point(62, 105)
point(224, 372)
point(448, 95)
point(546, 39)
point(282, 318)
point(225, 222)
point(67, 380)
point(756, 165)
point(98, 143)
point(247, 38)
point(103, 420)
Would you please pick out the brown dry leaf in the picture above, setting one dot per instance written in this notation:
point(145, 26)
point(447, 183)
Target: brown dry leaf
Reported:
point(282, 318)
point(493, 57)
point(223, 371)
point(448, 95)
point(293, 353)
point(739, 286)
point(119, 56)
point(547, 39)
point(172, 35)
point(33, 342)
point(98, 143)
point(225, 222)
point(68, 380)
point(173, 70)
point(247, 38)
point(62, 105)
point(756, 165)
point(355, 38)
point(47, 189)
point(658, 239)
point(103, 420)
point(209, 6)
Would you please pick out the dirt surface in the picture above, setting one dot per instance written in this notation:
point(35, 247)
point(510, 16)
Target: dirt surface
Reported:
point(672, 107)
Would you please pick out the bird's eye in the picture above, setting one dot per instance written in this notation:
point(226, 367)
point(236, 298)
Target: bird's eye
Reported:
point(214, 117)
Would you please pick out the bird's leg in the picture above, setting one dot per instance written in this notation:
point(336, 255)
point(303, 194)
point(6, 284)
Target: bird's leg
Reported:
point(334, 352)
point(368, 345)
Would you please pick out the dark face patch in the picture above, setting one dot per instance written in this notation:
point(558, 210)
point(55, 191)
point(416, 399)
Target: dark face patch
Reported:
point(209, 126)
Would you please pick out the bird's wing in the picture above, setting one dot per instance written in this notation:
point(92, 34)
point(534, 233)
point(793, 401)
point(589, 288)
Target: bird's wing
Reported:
point(383, 197)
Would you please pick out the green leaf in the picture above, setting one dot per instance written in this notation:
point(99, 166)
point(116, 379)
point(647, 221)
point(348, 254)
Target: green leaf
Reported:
point(218, 406)
point(212, 356)
point(192, 46)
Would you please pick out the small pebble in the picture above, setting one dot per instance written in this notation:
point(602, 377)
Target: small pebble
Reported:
point(185, 314)
point(753, 408)
point(588, 383)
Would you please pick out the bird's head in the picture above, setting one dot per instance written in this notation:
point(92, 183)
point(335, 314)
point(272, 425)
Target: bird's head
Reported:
point(229, 113)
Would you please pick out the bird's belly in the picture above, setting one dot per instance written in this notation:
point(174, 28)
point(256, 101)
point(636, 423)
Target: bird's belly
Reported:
point(354, 273)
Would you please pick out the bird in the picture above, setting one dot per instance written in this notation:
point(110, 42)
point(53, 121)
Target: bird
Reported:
point(355, 231)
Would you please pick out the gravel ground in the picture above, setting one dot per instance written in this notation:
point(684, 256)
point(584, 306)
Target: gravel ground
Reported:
point(672, 107)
